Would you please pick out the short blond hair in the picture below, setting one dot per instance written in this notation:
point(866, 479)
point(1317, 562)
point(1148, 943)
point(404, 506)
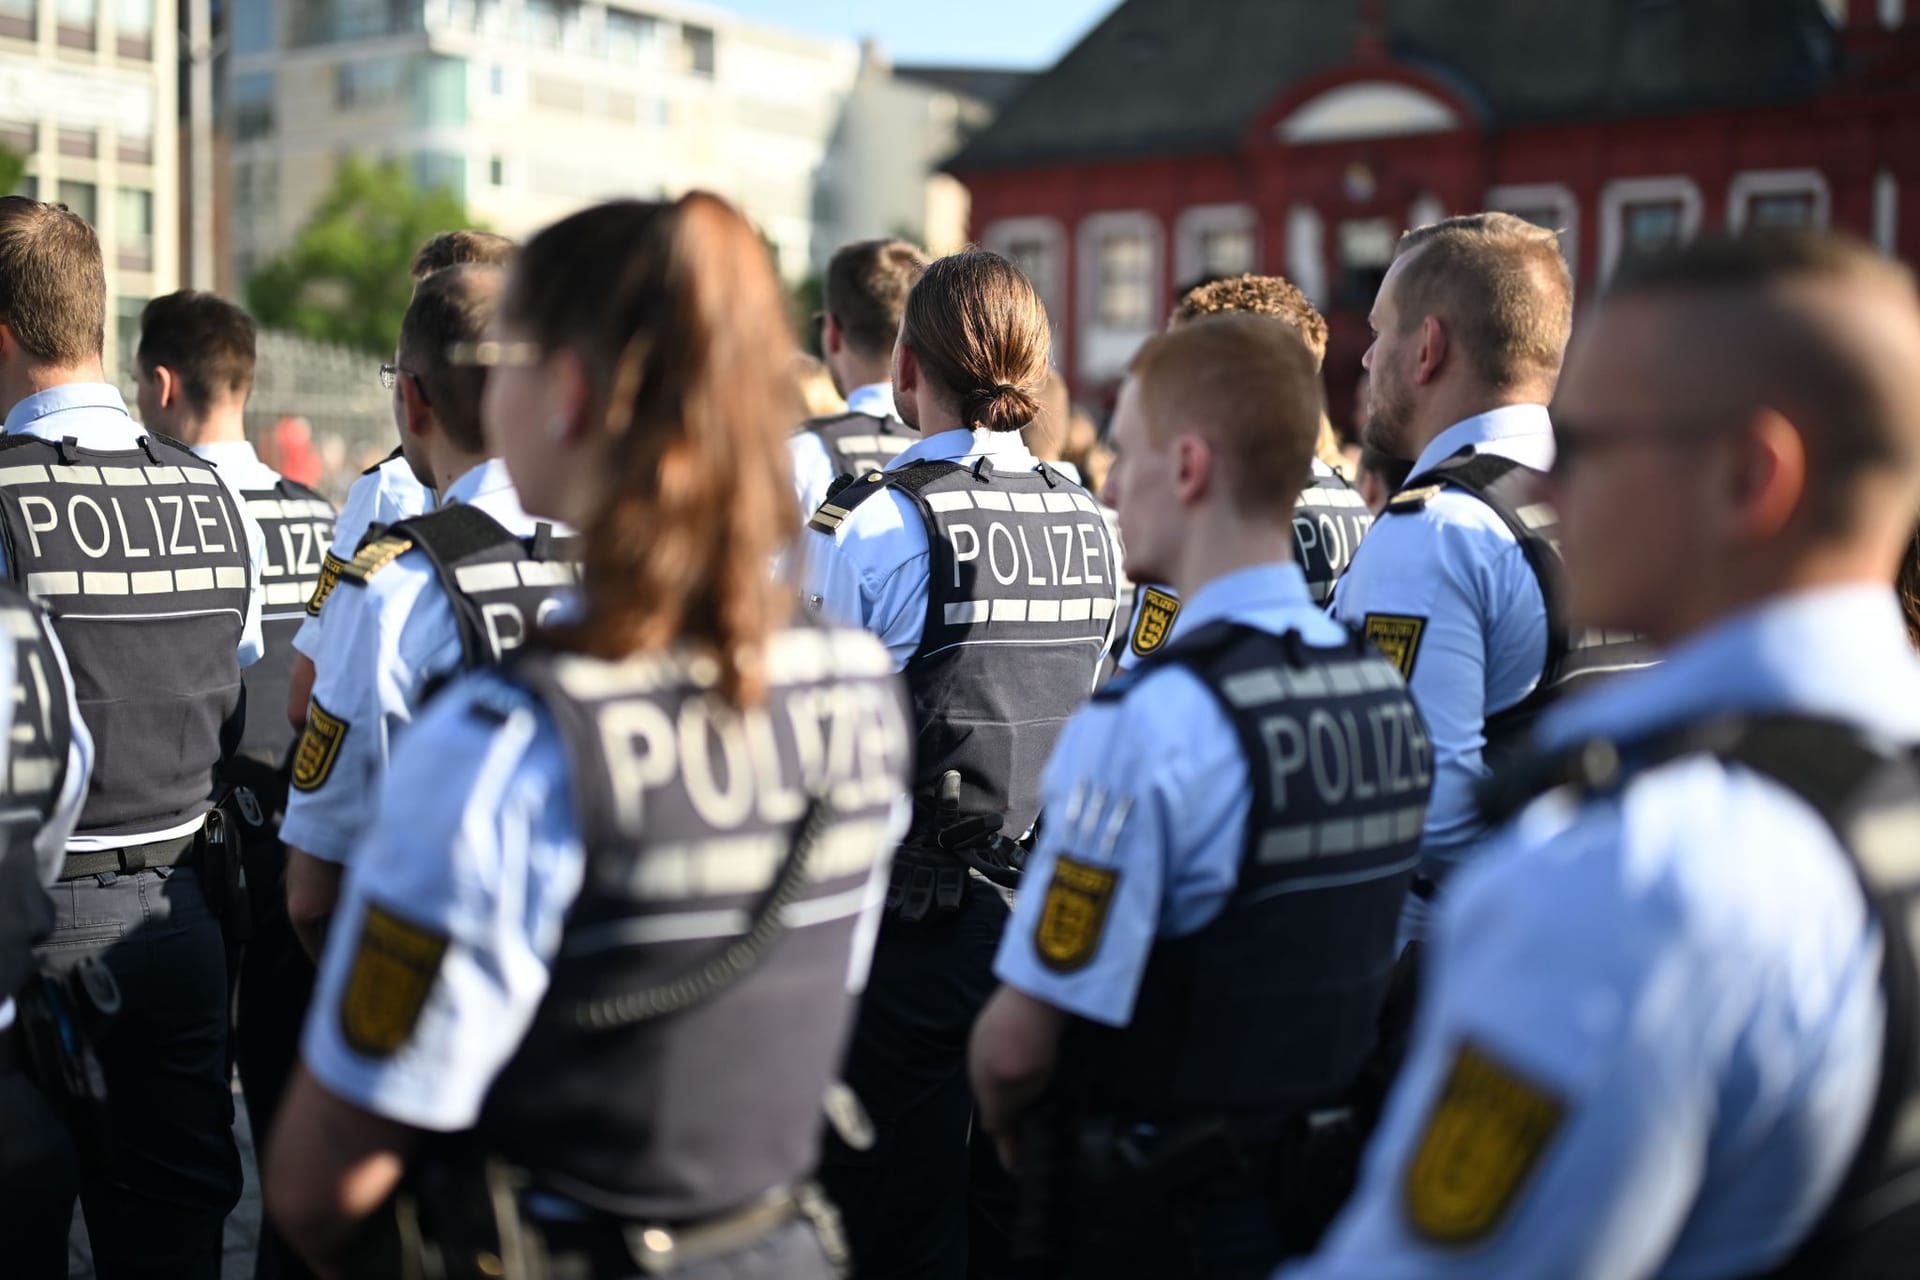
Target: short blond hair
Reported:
point(1503, 289)
point(1246, 383)
point(1274, 296)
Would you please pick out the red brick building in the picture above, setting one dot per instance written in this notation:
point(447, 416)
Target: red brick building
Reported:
point(1184, 138)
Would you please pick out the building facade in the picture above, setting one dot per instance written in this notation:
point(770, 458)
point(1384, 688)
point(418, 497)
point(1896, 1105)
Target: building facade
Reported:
point(1301, 137)
point(529, 109)
point(88, 98)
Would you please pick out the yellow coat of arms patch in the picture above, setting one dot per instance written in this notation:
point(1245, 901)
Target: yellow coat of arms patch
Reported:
point(330, 567)
point(319, 748)
point(1155, 618)
point(1397, 637)
point(1074, 914)
point(394, 968)
point(1487, 1132)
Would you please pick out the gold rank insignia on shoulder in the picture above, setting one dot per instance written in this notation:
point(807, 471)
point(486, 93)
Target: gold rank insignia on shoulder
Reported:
point(1487, 1132)
point(1410, 500)
point(374, 557)
point(832, 514)
point(1397, 636)
point(331, 567)
point(1074, 915)
point(1157, 611)
point(395, 964)
point(828, 518)
point(319, 747)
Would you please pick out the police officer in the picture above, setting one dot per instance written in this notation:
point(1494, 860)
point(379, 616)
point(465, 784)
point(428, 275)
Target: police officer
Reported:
point(1455, 584)
point(864, 292)
point(612, 938)
point(1653, 1037)
point(1330, 517)
point(1206, 937)
point(149, 567)
point(426, 598)
point(387, 492)
point(194, 373)
point(992, 581)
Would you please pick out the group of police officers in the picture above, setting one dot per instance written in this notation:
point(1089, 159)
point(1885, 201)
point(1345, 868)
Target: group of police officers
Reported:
point(1524, 885)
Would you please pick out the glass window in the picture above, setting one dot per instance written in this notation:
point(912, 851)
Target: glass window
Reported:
point(324, 21)
point(126, 328)
point(17, 18)
point(1126, 280)
point(135, 148)
point(630, 36)
point(1781, 209)
point(84, 143)
point(1366, 248)
point(497, 171)
point(497, 80)
point(251, 103)
point(134, 17)
point(134, 229)
point(81, 197)
point(76, 19)
point(250, 26)
point(1650, 226)
point(439, 91)
point(433, 169)
point(543, 22)
point(699, 43)
point(1036, 259)
point(1226, 252)
point(20, 138)
point(370, 84)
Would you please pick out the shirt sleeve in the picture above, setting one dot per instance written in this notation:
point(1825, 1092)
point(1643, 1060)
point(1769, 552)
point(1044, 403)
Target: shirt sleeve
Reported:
point(812, 471)
point(872, 573)
point(253, 645)
point(474, 885)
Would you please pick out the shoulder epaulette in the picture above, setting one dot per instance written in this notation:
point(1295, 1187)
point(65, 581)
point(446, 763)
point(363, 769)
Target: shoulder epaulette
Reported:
point(383, 462)
point(373, 557)
point(1408, 501)
point(834, 511)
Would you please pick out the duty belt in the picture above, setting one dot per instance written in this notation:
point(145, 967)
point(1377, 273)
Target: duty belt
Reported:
point(662, 1249)
point(175, 851)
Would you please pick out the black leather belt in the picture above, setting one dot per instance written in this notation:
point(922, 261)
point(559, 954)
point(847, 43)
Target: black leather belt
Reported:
point(179, 851)
point(663, 1249)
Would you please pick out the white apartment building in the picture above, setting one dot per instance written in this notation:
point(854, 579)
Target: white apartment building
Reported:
point(529, 109)
point(88, 94)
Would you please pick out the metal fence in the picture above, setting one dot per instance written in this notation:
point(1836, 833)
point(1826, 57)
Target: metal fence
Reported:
point(335, 391)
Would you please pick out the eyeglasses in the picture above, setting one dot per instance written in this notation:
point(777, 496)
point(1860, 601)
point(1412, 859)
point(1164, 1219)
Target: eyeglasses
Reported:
point(390, 375)
point(495, 355)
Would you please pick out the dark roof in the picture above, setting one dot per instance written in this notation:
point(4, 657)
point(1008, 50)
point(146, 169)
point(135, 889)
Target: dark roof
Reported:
point(990, 85)
point(1170, 76)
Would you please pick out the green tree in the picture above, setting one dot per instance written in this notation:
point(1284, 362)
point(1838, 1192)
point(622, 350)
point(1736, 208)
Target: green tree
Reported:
point(13, 167)
point(344, 279)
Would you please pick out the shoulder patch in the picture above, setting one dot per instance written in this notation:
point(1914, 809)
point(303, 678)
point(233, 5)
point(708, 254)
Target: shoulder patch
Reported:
point(1486, 1134)
point(1398, 637)
point(395, 964)
point(373, 557)
point(1410, 500)
point(319, 747)
point(1153, 620)
point(331, 567)
point(834, 511)
point(1074, 915)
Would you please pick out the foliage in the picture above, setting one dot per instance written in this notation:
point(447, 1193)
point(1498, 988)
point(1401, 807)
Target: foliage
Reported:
point(13, 168)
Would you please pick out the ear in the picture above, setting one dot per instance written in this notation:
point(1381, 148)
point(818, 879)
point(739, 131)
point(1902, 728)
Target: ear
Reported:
point(569, 398)
point(419, 416)
point(1433, 350)
point(1765, 476)
point(906, 370)
point(1192, 468)
point(166, 386)
point(831, 339)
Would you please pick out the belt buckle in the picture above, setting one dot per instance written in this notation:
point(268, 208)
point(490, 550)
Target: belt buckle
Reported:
point(654, 1249)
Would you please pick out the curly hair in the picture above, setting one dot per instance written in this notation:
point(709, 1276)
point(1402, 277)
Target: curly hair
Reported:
point(1274, 296)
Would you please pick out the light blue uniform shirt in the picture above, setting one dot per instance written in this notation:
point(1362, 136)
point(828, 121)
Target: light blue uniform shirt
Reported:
point(384, 644)
point(385, 495)
point(487, 852)
point(95, 416)
point(1154, 784)
point(872, 571)
point(1688, 968)
point(813, 472)
point(1456, 568)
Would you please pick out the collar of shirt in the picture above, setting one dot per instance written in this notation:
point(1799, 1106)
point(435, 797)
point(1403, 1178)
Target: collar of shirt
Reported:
point(1006, 448)
point(100, 402)
point(1277, 585)
point(1522, 432)
point(489, 477)
point(237, 460)
point(875, 400)
point(1833, 651)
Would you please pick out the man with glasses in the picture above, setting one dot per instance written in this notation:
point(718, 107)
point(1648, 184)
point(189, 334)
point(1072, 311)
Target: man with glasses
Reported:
point(1456, 583)
point(426, 597)
point(1672, 1007)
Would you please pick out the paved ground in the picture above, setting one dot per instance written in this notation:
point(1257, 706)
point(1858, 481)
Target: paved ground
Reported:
point(243, 1228)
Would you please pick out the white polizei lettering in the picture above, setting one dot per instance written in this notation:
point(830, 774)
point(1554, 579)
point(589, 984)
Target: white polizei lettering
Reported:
point(1363, 789)
point(804, 716)
point(1332, 770)
point(284, 567)
point(966, 612)
point(123, 477)
point(202, 523)
point(226, 522)
point(1286, 754)
point(163, 475)
point(994, 531)
point(178, 504)
point(126, 538)
point(75, 505)
point(545, 610)
point(28, 503)
point(153, 582)
point(778, 801)
point(193, 579)
point(1030, 503)
point(1053, 557)
point(1090, 551)
point(988, 500)
point(103, 584)
point(1102, 607)
point(1065, 532)
point(723, 799)
point(40, 585)
point(476, 578)
point(958, 500)
point(11, 477)
point(1306, 532)
point(637, 740)
point(1043, 611)
point(1033, 579)
point(1058, 502)
point(506, 628)
point(1077, 609)
point(961, 556)
point(1009, 611)
point(74, 475)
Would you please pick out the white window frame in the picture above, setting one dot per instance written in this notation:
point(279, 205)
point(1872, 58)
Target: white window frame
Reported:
point(1194, 225)
point(1886, 212)
point(1307, 253)
point(1545, 195)
point(1618, 194)
point(1105, 349)
point(1000, 236)
point(1777, 182)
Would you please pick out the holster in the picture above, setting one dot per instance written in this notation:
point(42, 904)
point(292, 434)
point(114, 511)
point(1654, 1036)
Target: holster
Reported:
point(59, 1017)
point(457, 1217)
point(223, 876)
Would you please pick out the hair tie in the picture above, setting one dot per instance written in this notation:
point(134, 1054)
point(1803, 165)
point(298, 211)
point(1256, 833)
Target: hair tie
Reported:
point(1001, 388)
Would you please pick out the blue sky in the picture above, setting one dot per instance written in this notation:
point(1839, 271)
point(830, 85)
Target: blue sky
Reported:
point(1003, 33)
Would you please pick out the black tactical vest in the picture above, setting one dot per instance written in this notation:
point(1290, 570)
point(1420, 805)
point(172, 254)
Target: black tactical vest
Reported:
point(500, 586)
point(1868, 792)
point(1273, 1005)
point(1020, 600)
point(36, 756)
point(140, 557)
point(857, 443)
point(298, 524)
point(1329, 519)
point(1574, 660)
point(690, 812)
